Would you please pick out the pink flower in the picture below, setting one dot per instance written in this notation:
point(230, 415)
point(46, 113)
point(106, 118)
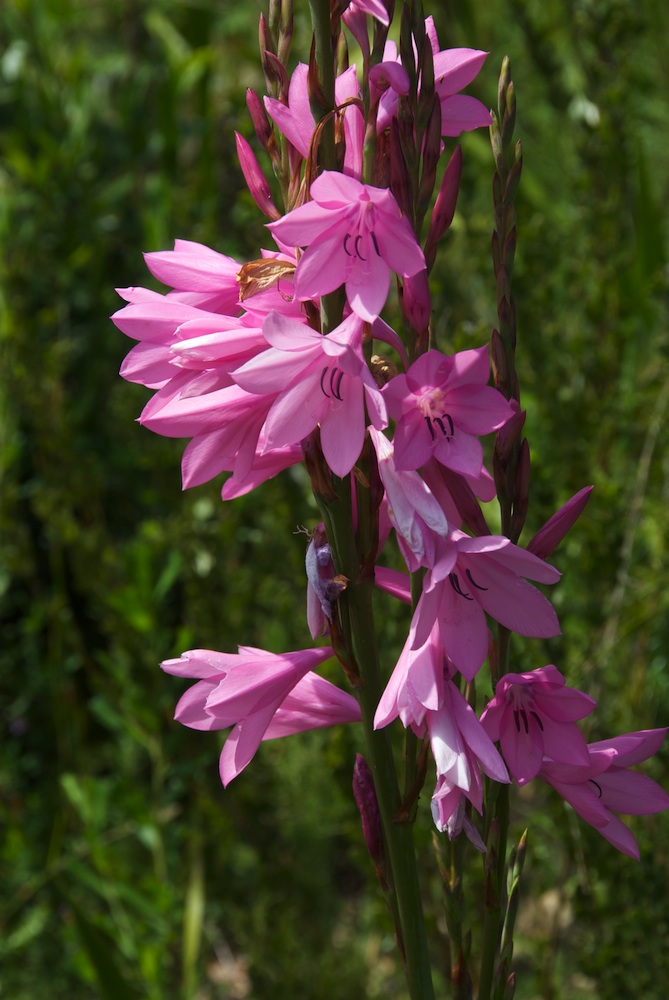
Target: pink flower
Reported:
point(607, 785)
point(354, 17)
point(472, 576)
point(441, 405)
point(319, 380)
point(453, 70)
point(256, 692)
point(534, 714)
point(355, 235)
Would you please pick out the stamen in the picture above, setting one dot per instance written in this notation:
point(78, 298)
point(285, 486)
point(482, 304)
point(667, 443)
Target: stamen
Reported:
point(537, 720)
point(429, 427)
point(357, 248)
point(473, 581)
point(376, 245)
point(516, 719)
point(335, 389)
point(442, 427)
point(346, 239)
point(455, 584)
point(526, 724)
point(323, 374)
point(598, 787)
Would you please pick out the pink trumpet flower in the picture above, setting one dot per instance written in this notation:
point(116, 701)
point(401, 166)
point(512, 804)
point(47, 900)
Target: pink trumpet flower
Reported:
point(453, 70)
point(534, 715)
point(320, 380)
point(472, 576)
point(355, 235)
point(607, 785)
point(259, 694)
point(441, 406)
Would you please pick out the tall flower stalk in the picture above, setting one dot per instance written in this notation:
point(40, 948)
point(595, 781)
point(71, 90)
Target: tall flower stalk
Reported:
point(293, 357)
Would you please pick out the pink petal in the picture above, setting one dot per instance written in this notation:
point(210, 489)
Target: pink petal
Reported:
point(243, 742)
point(464, 632)
point(343, 429)
point(477, 739)
point(512, 602)
point(462, 114)
point(313, 703)
point(454, 69)
point(191, 711)
point(631, 793)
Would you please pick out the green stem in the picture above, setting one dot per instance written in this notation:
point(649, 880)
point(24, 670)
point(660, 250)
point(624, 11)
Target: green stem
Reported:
point(358, 610)
point(494, 891)
point(325, 60)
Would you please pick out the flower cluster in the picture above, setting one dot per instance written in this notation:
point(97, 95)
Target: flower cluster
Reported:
point(241, 363)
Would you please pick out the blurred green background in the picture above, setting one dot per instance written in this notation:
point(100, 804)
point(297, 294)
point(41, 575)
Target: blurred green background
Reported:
point(125, 869)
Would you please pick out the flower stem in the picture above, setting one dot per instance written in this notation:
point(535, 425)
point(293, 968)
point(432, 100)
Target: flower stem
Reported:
point(398, 837)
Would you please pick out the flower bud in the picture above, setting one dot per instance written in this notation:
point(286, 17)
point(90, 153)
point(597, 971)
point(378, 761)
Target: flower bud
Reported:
point(255, 179)
point(417, 301)
point(365, 799)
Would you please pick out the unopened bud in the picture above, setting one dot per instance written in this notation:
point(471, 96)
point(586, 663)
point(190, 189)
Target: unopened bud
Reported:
point(255, 179)
point(400, 181)
point(368, 807)
point(549, 537)
point(444, 206)
point(509, 435)
point(417, 301)
point(260, 119)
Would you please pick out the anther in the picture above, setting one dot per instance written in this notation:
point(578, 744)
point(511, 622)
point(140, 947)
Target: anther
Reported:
point(473, 581)
point(537, 720)
point(335, 389)
point(455, 584)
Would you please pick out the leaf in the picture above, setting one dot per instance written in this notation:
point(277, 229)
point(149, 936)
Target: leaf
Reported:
point(103, 955)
